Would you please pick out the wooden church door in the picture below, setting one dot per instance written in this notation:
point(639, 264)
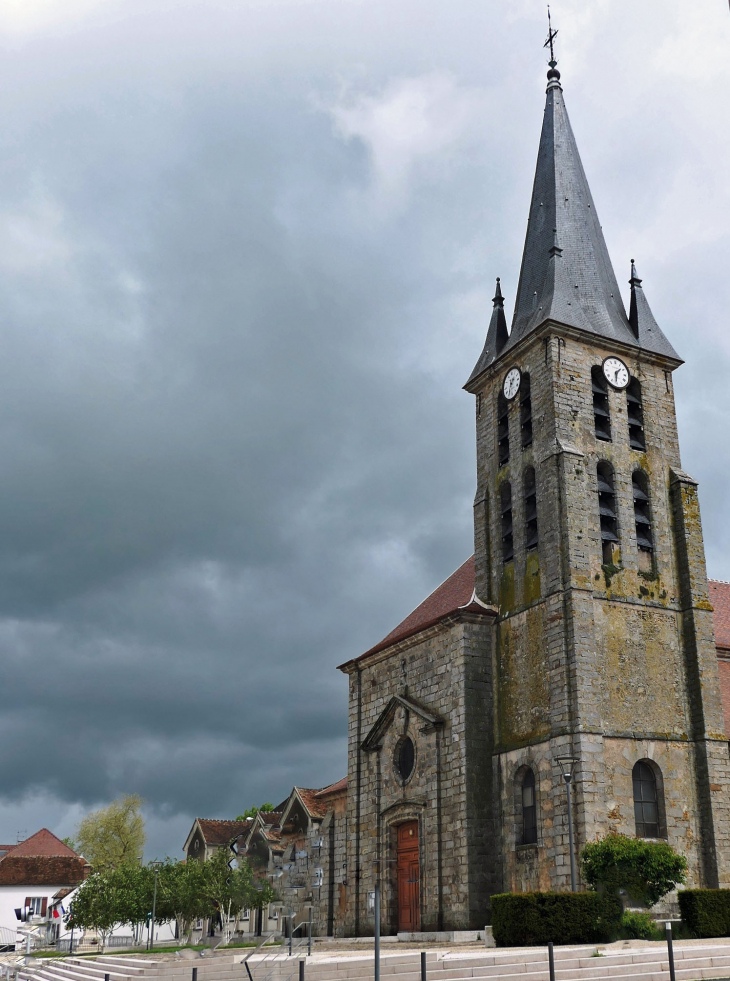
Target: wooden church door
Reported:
point(409, 918)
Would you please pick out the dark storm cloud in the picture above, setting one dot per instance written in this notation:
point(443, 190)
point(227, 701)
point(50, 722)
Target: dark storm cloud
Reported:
point(246, 260)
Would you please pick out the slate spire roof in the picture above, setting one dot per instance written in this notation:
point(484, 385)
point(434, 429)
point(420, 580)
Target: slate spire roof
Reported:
point(566, 273)
point(497, 335)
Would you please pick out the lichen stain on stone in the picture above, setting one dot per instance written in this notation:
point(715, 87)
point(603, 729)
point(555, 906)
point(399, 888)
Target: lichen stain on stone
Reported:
point(507, 589)
point(641, 672)
point(532, 588)
point(524, 696)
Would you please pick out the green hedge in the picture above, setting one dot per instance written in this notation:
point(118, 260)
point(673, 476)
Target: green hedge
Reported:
point(523, 919)
point(706, 911)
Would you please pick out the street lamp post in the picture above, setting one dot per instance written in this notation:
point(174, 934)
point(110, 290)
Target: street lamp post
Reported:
point(566, 764)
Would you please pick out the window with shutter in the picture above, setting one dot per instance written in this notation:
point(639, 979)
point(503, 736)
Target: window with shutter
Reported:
point(635, 410)
point(506, 501)
point(642, 517)
point(607, 510)
point(502, 429)
point(525, 411)
point(601, 412)
point(530, 509)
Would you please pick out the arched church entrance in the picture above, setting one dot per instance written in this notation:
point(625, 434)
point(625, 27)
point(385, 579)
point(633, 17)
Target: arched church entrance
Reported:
point(409, 906)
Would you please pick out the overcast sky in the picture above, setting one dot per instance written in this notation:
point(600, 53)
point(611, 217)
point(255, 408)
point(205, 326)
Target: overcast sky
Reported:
point(247, 252)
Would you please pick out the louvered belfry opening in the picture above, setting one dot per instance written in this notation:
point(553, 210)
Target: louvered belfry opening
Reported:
point(601, 413)
point(636, 415)
point(505, 496)
point(607, 510)
point(530, 509)
point(525, 411)
point(503, 429)
point(642, 516)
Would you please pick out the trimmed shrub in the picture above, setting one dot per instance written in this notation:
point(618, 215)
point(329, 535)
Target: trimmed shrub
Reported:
point(706, 911)
point(529, 918)
point(647, 870)
point(639, 926)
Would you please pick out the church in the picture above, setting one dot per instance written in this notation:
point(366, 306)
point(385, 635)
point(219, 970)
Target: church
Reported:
point(578, 639)
point(581, 639)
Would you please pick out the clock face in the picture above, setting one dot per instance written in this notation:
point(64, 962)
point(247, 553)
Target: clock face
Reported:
point(616, 372)
point(511, 383)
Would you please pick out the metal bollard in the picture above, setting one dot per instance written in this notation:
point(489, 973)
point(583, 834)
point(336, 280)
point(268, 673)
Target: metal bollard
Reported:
point(670, 951)
point(423, 965)
point(551, 962)
point(106, 977)
point(301, 970)
point(195, 974)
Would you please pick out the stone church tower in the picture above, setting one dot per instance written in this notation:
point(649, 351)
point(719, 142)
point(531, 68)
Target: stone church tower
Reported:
point(581, 628)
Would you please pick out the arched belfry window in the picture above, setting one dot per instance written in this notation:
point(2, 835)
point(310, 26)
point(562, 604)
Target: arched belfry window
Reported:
point(529, 809)
point(502, 429)
point(505, 496)
point(525, 410)
point(646, 801)
point(642, 517)
point(601, 413)
point(607, 510)
point(530, 509)
point(635, 409)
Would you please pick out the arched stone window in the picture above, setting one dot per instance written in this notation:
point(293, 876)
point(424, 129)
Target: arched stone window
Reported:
point(646, 801)
point(601, 413)
point(529, 808)
point(505, 496)
point(607, 510)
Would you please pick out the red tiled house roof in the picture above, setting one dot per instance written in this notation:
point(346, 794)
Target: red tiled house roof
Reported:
point(334, 788)
point(42, 870)
point(220, 832)
point(42, 843)
point(317, 808)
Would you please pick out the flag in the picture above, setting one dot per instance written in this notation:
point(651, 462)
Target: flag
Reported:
point(56, 914)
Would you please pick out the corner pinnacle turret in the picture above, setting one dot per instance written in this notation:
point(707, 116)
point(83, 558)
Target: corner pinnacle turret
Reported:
point(497, 335)
point(566, 275)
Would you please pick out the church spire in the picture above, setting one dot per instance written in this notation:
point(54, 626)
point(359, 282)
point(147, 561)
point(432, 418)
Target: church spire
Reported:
point(497, 335)
point(643, 325)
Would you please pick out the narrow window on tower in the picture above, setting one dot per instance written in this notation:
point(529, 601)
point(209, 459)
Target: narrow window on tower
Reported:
point(530, 510)
point(506, 501)
point(607, 510)
point(529, 809)
point(503, 429)
point(636, 415)
point(525, 411)
point(601, 414)
point(646, 801)
point(642, 515)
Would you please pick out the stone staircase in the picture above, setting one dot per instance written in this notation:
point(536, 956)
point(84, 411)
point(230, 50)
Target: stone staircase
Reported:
point(693, 961)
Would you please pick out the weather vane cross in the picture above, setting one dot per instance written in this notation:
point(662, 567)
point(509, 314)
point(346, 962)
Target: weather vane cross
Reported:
point(550, 38)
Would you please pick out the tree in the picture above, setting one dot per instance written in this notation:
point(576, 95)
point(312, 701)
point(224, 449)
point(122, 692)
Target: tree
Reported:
point(647, 870)
point(70, 842)
point(253, 811)
point(114, 835)
point(182, 895)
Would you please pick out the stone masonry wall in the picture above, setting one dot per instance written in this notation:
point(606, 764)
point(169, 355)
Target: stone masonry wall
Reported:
point(446, 672)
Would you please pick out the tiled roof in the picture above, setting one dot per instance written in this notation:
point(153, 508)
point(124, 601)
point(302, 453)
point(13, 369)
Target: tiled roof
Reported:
point(43, 843)
point(62, 893)
point(454, 594)
point(720, 599)
point(334, 788)
point(316, 808)
point(42, 870)
point(220, 832)
point(270, 817)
